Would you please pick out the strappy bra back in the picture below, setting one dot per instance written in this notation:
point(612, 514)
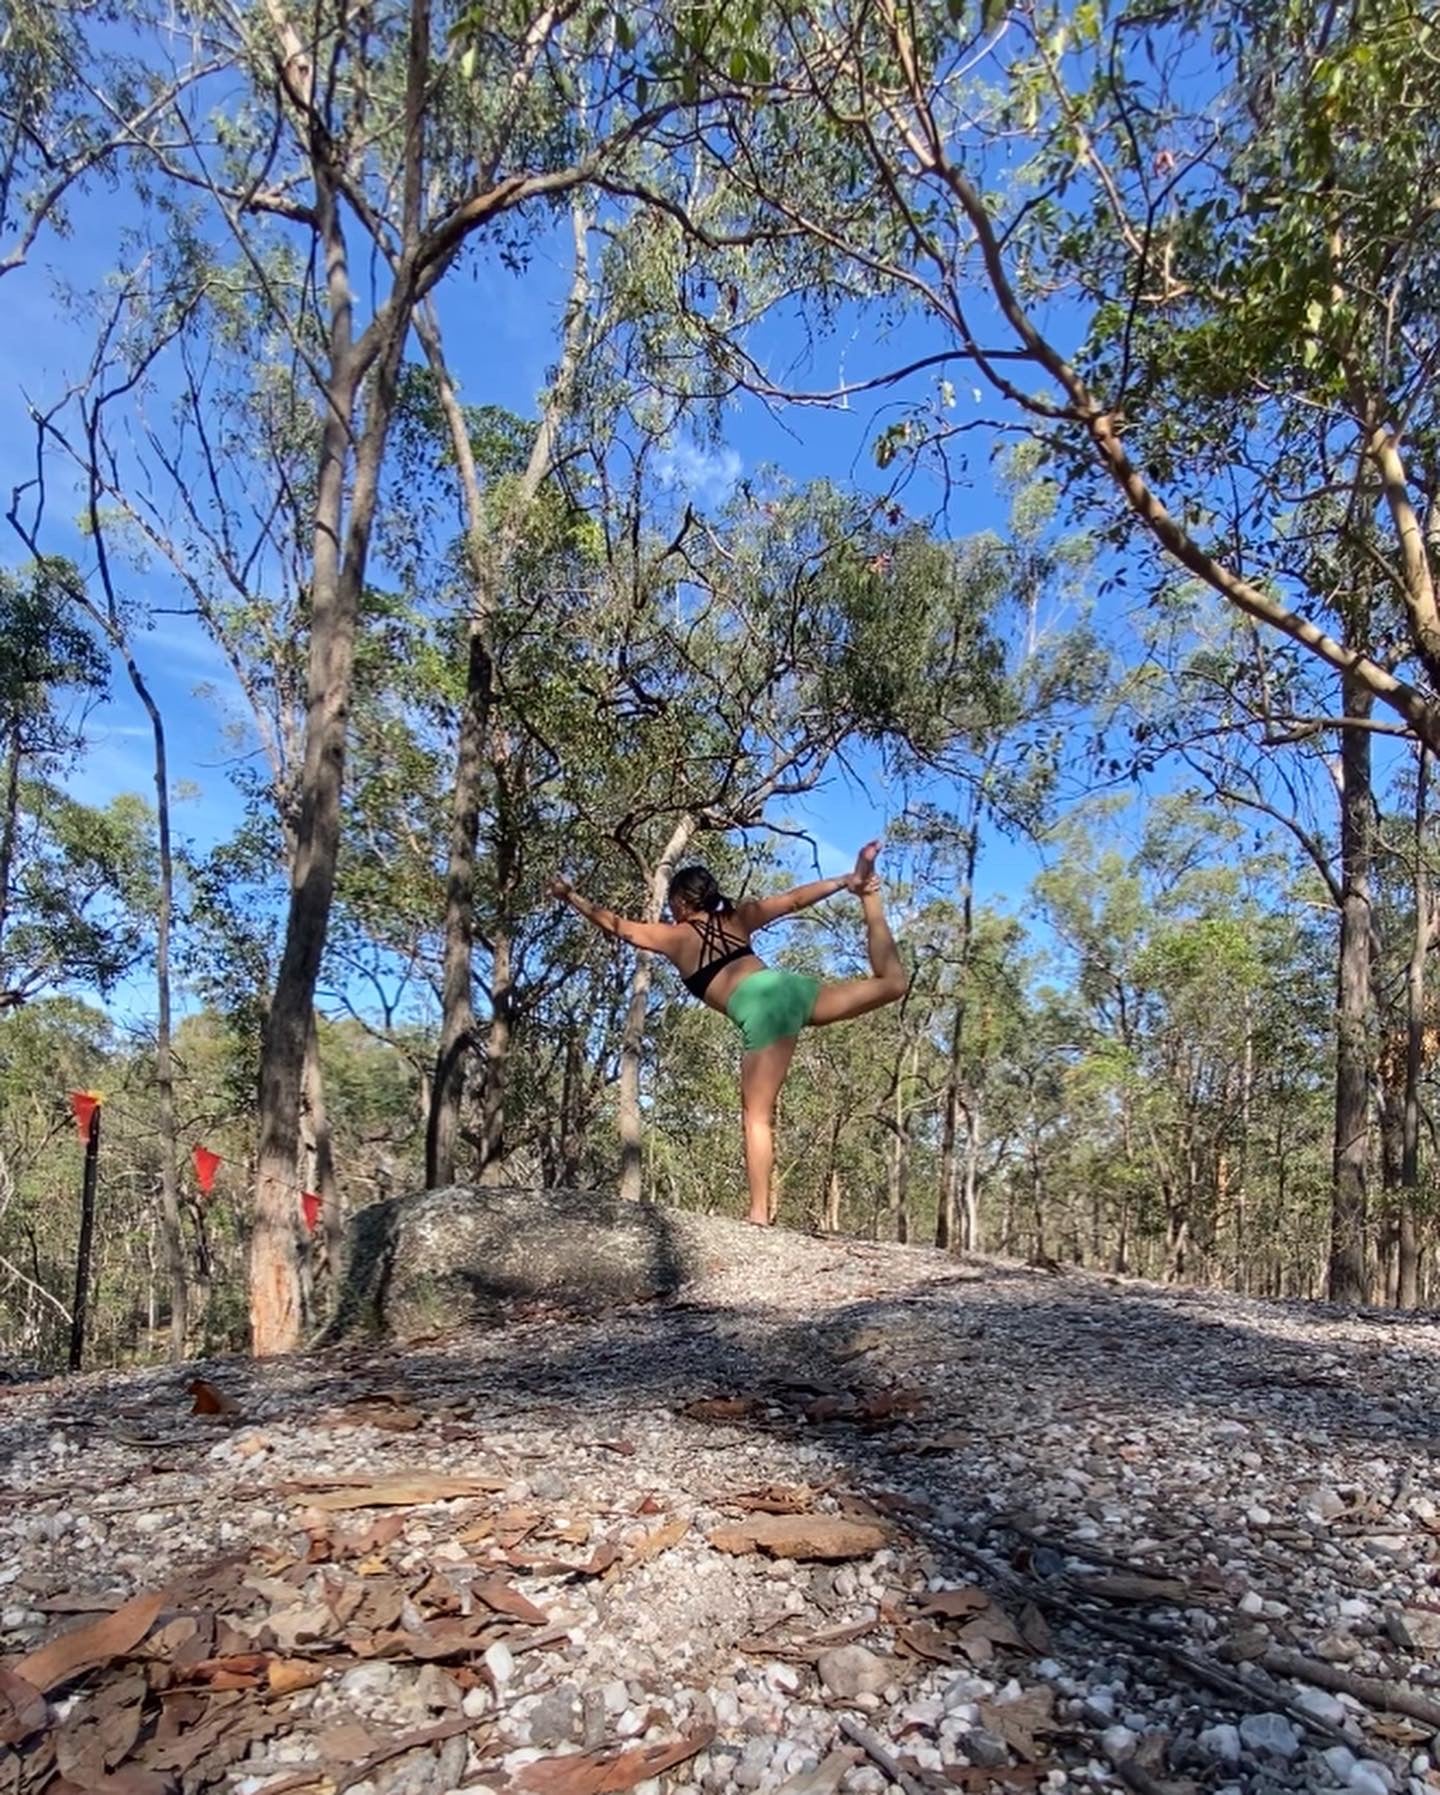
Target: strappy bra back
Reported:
point(712, 935)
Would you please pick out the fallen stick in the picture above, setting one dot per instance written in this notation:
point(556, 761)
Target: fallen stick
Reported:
point(1201, 1670)
point(1078, 1548)
point(394, 1748)
point(1139, 1780)
point(1392, 1698)
point(877, 1753)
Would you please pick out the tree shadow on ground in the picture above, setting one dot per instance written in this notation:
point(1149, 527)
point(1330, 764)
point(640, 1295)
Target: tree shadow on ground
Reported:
point(1026, 1386)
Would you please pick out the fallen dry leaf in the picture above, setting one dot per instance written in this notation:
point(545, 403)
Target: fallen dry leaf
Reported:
point(829, 1408)
point(516, 1523)
point(385, 1416)
point(886, 1406)
point(660, 1539)
point(925, 1641)
point(801, 1537)
point(776, 1499)
point(106, 1638)
point(608, 1772)
point(98, 1734)
point(22, 1708)
point(232, 1670)
point(209, 1400)
point(952, 1603)
point(1018, 1722)
point(348, 1739)
point(981, 1778)
point(721, 1408)
point(600, 1560)
point(284, 1675)
point(979, 1637)
point(1035, 1630)
point(501, 1597)
point(403, 1491)
point(76, 1602)
point(129, 1779)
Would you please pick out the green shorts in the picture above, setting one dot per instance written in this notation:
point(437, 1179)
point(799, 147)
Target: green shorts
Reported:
point(771, 1006)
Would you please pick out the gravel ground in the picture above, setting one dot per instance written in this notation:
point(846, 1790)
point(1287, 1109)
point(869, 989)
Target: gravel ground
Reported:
point(1079, 1533)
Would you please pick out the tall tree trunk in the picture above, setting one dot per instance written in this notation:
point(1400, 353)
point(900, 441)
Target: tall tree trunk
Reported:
point(632, 1037)
point(322, 1175)
point(497, 1059)
point(898, 1172)
point(490, 547)
point(79, 1314)
point(948, 1200)
point(1037, 1202)
point(340, 554)
point(1241, 1202)
point(971, 1186)
point(111, 621)
point(834, 1196)
point(946, 1209)
point(164, 1061)
point(571, 1135)
point(9, 822)
point(1407, 1292)
point(457, 1024)
point(1347, 1283)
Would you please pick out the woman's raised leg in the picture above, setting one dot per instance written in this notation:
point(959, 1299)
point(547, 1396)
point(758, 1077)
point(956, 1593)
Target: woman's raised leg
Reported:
point(761, 1075)
point(888, 981)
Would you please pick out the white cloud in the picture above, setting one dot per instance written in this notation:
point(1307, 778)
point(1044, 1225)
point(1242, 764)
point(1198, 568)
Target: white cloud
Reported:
point(705, 474)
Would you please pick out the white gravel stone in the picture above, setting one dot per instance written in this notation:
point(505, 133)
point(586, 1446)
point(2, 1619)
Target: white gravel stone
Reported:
point(1321, 1704)
point(500, 1662)
point(1221, 1743)
point(851, 1670)
point(1270, 1735)
point(366, 1681)
point(1118, 1743)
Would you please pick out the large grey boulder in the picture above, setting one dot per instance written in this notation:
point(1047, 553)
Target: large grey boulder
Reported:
point(465, 1254)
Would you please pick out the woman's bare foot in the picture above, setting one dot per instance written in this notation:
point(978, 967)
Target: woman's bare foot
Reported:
point(863, 878)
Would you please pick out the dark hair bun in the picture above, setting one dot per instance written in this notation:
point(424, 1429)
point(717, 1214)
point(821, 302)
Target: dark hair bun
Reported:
point(696, 888)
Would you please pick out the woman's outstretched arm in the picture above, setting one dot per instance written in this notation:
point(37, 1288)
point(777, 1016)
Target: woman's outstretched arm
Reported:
point(756, 912)
point(653, 935)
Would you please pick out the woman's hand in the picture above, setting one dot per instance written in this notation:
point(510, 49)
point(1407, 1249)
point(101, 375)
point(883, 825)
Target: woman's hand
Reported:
point(560, 887)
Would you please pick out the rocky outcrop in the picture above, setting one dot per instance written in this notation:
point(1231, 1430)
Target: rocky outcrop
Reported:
point(444, 1258)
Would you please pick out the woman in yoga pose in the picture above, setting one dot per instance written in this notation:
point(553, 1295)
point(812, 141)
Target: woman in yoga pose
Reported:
point(709, 943)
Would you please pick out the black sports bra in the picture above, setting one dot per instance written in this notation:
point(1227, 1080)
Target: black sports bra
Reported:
point(698, 982)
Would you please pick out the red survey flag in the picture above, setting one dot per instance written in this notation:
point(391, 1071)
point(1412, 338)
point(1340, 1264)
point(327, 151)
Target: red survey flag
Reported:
point(84, 1104)
point(206, 1166)
point(310, 1207)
